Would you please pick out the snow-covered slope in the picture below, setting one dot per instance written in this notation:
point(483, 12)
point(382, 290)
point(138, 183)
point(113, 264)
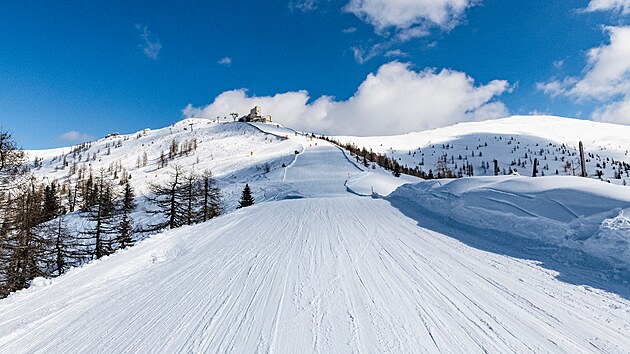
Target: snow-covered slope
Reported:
point(514, 142)
point(578, 213)
point(317, 265)
point(329, 275)
point(234, 152)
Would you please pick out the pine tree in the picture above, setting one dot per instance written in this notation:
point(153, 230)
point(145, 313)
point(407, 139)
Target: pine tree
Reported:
point(246, 198)
point(125, 225)
point(212, 204)
point(52, 205)
point(101, 215)
point(396, 169)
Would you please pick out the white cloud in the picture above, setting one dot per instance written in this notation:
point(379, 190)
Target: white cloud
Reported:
point(538, 113)
point(608, 71)
point(361, 55)
point(74, 136)
point(394, 100)
point(151, 46)
point(411, 16)
point(556, 88)
point(606, 78)
point(413, 32)
point(227, 61)
point(349, 30)
point(303, 5)
point(620, 6)
point(558, 64)
point(615, 112)
point(399, 21)
point(395, 53)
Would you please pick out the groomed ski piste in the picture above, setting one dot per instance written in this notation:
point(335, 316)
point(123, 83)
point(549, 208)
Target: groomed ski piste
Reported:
point(319, 264)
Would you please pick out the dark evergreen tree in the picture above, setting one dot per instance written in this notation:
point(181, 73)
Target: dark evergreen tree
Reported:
point(246, 198)
point(102, 218)
point(396, 169)
point(125, 224)
point(212, 204)
point(52, 205)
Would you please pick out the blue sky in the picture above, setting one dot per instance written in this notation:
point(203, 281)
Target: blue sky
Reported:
point(77, 70)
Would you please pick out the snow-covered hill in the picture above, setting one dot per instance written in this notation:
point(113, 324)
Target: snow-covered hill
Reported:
point(319, 264)
point(514, 142)
point(235, 153)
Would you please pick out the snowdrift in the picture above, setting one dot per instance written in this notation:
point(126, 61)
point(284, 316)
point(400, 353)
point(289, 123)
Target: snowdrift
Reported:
point(578, 213)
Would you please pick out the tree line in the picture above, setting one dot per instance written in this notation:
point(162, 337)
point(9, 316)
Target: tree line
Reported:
point(366, 157)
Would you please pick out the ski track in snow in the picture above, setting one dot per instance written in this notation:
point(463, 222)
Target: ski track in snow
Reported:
point(332, 272)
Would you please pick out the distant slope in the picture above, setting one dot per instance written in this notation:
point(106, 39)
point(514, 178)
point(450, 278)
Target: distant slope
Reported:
point(552, 140)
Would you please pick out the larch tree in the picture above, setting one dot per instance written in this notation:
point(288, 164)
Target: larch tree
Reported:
point(168, 201)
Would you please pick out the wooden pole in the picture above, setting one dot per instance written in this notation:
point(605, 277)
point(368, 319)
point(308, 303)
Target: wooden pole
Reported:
point(582, 160)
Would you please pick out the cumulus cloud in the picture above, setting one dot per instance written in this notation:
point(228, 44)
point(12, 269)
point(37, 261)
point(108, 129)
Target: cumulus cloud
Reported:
point(608, 71)
point(615, 112)
point(620, 6)
point(227, 61)
point(411, 16)
point(394, 100)
point(606, 78)
point(74, 136)
point(151, 46)
point(398, 21)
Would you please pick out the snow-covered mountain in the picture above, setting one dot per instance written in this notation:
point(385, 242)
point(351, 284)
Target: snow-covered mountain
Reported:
point(338, 257)
point(514, 142)
point(236, 153)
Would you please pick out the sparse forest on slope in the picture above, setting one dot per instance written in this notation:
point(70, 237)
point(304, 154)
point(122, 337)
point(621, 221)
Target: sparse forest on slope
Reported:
point(471, 149)
point(69, 206)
